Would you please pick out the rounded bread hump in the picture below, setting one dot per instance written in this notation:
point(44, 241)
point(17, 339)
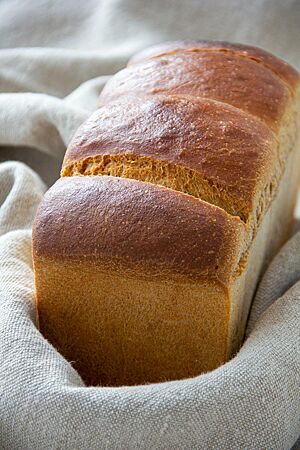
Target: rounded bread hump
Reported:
point(231, 151)
point(284, 70)
point(138, 229)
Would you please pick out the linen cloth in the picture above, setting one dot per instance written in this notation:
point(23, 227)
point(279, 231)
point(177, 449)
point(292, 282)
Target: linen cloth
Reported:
point(55, 60)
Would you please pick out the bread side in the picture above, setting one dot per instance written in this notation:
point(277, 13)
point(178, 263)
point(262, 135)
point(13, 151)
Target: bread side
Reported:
point(273, 231)
point(125, 331)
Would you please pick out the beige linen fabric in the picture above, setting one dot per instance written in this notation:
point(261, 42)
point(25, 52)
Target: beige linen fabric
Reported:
point(55, 59)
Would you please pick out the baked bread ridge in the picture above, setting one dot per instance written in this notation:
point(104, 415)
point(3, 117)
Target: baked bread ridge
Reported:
point(284, 70)
point(226, 77)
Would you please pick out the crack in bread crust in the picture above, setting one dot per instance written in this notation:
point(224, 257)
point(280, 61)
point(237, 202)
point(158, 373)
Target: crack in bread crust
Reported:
point(158, 172)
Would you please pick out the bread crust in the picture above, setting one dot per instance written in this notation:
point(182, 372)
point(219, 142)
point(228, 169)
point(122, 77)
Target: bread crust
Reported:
point(138, 230)
point(225, 77)
point(284, 70)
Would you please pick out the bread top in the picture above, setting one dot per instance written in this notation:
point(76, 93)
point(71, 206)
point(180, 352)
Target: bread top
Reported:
point(138, 229)
point(214, 120)
point(226, 77)
point(229, 150)
point(282, 69)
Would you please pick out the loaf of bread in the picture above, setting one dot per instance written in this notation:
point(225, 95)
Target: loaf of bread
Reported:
point(173, 197)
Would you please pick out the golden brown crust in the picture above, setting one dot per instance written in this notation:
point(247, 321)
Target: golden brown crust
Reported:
point(228, 78)
point(277, 65)
point(229, 148)
point(137, 228)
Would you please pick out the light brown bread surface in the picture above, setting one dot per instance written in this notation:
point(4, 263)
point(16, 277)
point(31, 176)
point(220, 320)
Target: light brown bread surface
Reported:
point(174, 195)
point(215, 75)
point(135, 234)
point(286, 72)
